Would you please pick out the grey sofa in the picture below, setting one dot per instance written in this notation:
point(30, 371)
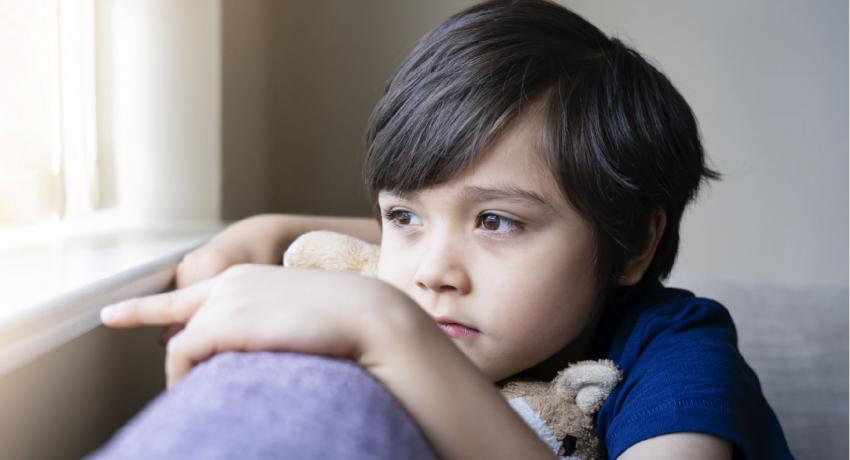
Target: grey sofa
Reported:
point(796, 339)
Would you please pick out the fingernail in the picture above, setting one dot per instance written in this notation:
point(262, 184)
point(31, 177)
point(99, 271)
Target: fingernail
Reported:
point(109, 313)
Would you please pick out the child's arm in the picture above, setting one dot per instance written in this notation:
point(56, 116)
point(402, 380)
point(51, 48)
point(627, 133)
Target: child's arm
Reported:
point(694, 446)
point(261, 239)
point(460, 411)
point(257, 307)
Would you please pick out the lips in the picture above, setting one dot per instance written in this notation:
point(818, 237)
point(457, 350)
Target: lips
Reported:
point(455, 329)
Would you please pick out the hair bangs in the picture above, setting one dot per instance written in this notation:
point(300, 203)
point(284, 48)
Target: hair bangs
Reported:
point(448, 100)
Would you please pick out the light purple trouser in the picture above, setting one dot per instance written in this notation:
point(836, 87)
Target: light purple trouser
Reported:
point(272, 405)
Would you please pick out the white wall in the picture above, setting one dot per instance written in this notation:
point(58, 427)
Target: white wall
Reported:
point(159, 107)
point(768, 82)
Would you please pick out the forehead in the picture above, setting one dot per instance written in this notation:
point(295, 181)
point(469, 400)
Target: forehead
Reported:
point(512, 167)
point(516, 153)
point(515, 162)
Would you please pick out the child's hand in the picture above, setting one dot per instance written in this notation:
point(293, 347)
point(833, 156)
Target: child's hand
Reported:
point(260, 307)
point(200, 265)
point(206, 262)
point(244, 242)
point(259, 239)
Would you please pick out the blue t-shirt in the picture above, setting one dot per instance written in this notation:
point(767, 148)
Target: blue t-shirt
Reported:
point(682, 372)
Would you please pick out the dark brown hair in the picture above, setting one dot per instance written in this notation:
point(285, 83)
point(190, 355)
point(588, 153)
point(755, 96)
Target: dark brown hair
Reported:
point(620, 138)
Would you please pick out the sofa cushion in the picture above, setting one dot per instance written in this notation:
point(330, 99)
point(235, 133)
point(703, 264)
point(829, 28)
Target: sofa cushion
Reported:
point(796, 339)
point(272, 405)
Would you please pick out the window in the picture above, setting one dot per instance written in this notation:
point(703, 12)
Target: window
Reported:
point(48, 138)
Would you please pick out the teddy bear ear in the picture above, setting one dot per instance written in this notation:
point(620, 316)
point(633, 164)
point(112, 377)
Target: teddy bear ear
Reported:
point(589, 382)
point(332, 251)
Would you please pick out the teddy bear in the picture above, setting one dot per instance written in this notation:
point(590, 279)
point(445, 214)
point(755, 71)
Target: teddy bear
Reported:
point(561, 411)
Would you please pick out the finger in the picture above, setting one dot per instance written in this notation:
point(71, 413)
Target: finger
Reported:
point(166, 308)
point(169, 331)
point(199, 266)
point(185, 350)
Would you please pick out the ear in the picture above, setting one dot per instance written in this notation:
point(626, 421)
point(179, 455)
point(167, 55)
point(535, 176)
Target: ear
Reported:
point(589, 382)
point(638, 264)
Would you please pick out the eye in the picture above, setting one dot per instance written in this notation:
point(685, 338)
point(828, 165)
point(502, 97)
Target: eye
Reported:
point(498, 224)
point(401, 217)
point(568, 446)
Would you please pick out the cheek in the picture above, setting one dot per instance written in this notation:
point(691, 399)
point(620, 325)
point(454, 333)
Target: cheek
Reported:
point(535, 309)
point(384, 268)
point(540, 319)
point(551, 294)
point(392, 269)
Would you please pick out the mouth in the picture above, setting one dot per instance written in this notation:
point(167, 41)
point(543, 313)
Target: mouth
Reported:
point(455, 329)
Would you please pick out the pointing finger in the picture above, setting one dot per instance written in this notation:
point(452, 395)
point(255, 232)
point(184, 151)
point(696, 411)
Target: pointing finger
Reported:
point(166, 308)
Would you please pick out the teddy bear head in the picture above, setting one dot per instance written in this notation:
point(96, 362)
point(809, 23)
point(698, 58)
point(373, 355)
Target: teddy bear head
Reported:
point(562, 411)
point(332, 251)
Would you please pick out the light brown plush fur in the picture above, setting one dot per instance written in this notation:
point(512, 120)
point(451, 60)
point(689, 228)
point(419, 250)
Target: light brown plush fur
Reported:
point(562, 411)
point(568, 403)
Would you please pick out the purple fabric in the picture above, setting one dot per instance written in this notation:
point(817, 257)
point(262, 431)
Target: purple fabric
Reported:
point(272, 405)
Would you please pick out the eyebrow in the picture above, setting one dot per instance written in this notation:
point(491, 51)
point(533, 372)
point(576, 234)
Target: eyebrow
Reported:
point(506, 192)
point(500, 192)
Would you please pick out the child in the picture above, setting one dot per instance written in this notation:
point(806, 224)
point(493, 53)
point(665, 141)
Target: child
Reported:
point(530, 174)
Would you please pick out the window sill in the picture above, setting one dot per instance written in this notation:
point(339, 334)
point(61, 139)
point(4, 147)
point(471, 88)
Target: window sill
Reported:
point(53, 289)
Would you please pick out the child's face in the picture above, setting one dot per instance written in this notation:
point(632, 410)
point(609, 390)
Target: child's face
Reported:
point(527, 288)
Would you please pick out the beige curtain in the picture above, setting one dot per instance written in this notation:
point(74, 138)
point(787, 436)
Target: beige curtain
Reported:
point(109, 105)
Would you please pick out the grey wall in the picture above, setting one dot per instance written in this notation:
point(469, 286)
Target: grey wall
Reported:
point(767, 80)
point(246, 80)
point(331, 62)
point(70, 401)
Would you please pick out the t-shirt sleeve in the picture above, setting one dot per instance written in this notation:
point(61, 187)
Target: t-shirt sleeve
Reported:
point(685, 374)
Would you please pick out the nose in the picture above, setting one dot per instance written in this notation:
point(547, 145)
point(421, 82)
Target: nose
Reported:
point(442, 268)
